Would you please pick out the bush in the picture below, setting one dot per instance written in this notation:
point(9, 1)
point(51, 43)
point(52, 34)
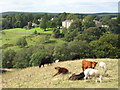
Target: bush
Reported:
point(36, 58)
point(7, 59)
point(56, 33)
point(22, 58)
point(7, 45)
point(35, 32)
point(22, 42)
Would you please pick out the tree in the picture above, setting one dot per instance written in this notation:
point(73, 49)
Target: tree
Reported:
point(105, 47)
point(22, 42)
point(70, 35)
point(76, 25)
point(7, 59)
point(105, 20)
point(56, 33)
point(92, 33)
point(43, 23)
point(80, 48)
point(37, 57)
point(22, 58)
point(113, 26)
point(88, 21)
point(62, 52)
point(29, 25)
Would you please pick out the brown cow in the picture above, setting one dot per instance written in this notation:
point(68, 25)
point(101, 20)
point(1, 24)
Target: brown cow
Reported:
point(61, 70)
point(88, 64)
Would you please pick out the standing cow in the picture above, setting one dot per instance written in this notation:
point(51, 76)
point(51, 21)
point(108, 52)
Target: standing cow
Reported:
point(89, 73)
point(88, 64)
point(45, 60)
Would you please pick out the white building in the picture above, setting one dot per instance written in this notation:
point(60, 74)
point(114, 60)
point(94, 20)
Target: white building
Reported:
point(67, 23)
point(97, 23)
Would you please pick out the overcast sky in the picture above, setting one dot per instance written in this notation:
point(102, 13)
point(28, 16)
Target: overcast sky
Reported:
point(57, 6)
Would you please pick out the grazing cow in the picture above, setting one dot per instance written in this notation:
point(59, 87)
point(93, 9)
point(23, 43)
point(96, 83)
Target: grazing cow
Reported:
point(103, 65)
point(89, 73)
point(61, 70)
point(45, 60)
point(88, 64)
point(77, 77)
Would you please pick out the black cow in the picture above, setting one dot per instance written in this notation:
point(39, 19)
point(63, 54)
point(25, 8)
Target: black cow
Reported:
point(76, 57)
point(77, 77)
point(45, 60)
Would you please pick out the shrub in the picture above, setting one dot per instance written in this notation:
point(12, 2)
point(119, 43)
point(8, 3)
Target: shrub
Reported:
point(7, 58)
point(22, 42)
point(36, 58)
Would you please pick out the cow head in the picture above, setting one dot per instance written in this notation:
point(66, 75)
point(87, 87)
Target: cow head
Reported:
point(57, 68)
point(94, 64)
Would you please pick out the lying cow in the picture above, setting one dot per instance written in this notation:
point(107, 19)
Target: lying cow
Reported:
point(77, 77)
point(45, 60)
point(61, 70)
point(89, 73)
point(88, 64)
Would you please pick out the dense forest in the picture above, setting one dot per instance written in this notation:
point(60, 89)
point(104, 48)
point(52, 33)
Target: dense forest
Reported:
point(83, 38)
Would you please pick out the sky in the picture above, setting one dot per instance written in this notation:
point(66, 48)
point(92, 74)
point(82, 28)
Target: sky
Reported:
point(60, 6)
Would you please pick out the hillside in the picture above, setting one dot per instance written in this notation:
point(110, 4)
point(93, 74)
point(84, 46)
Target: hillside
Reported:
point(34, 77)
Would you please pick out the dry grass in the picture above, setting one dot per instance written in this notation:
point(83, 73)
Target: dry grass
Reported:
point(34, 77)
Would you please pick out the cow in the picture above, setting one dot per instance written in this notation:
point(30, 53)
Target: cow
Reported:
point(76, 57)
point(88, 64)
point(56, 61)
point(89, 73)
point(45, 60)
point(61, 70)
point(103, 65)
point(77, 77)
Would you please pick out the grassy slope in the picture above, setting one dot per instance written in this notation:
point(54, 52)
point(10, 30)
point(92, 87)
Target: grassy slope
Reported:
point(11, 38)
point(34, 77)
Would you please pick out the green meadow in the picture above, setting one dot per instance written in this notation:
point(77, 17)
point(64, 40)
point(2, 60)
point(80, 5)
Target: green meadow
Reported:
point(11, 36)
point(21, 30)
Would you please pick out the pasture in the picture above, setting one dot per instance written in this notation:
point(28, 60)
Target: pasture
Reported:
point(11, 36)
point(30, 31)
point(35, 77)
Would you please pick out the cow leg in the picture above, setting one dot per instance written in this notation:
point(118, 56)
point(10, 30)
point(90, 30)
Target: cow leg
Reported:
point(43, 65)
point(100, 78)
point(56, 74)
point(85, 78)
point(95, 79)
point(83, 69)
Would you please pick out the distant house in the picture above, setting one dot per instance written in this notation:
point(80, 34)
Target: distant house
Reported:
point(52, 19)
point(106, 26)
point(97, 23)
point(67, 23)
point(34, 25)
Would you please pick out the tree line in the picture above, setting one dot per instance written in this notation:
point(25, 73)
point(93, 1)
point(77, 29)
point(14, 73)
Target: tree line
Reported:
point(82, 40)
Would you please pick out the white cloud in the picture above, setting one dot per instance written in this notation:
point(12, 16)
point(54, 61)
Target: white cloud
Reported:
point(60, 5)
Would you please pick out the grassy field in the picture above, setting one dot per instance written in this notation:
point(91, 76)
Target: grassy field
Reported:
point(21, 30)
point(34, 77)
point(11, 36)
